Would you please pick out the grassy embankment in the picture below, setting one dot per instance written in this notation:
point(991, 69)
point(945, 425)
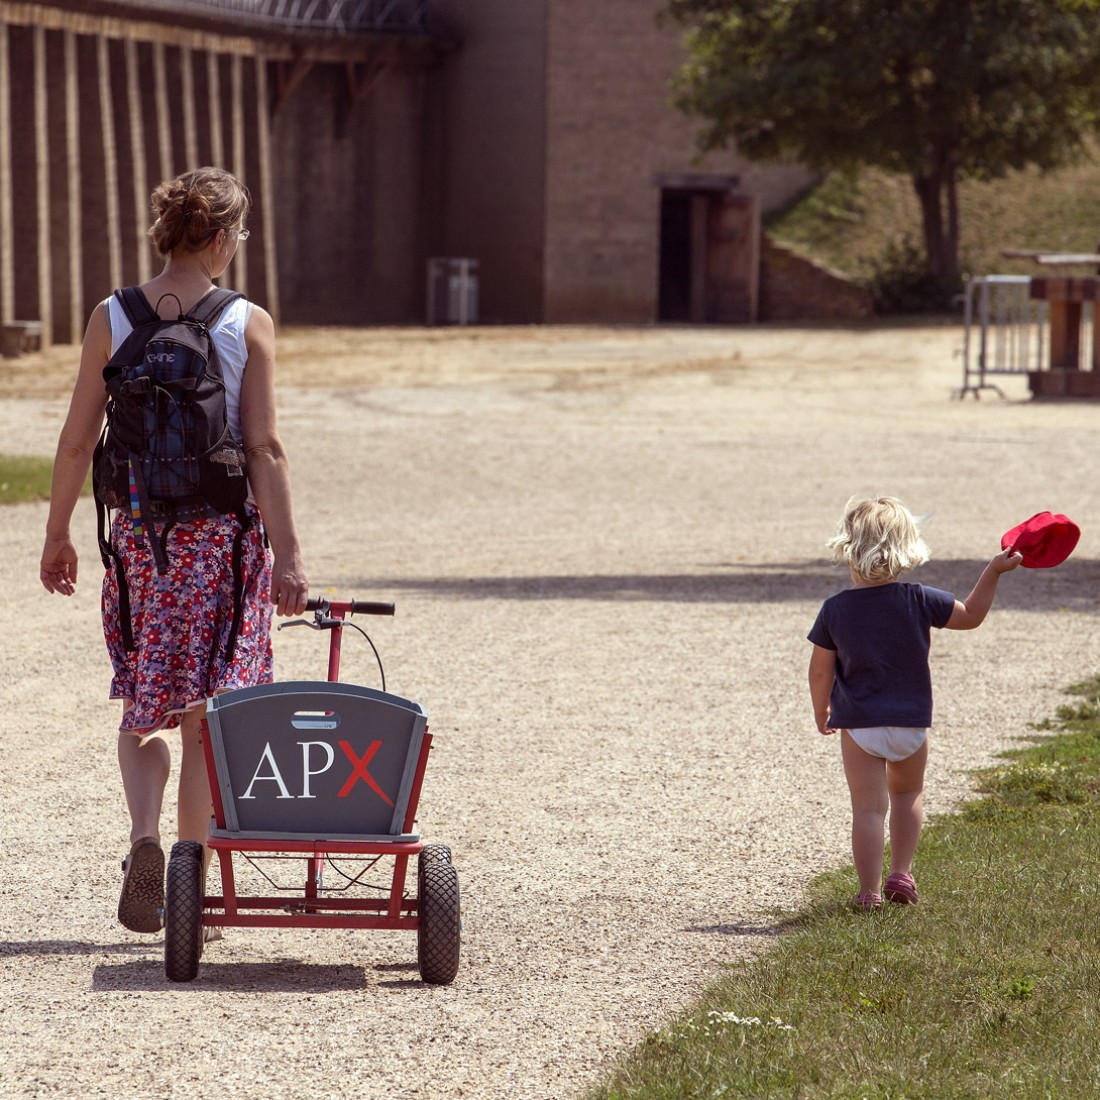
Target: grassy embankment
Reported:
point(857, 226)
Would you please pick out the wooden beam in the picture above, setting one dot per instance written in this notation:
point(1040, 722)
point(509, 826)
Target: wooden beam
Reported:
point(121, 27)
point(236, 105)
point(288, 76)
point(72, 163)
point(168, 167)
point(267, 199)
point(190, 126)
point(362, 78)
point(137, 159)
point(213, 87)
point(42, 189)
point(110, 164)
point(7, 241)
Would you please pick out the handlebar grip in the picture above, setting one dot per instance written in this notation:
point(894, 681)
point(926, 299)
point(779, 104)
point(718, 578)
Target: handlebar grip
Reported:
point(356, 607)
point(371, 607)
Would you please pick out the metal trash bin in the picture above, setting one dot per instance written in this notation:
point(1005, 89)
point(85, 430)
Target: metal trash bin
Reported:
point(452, 291)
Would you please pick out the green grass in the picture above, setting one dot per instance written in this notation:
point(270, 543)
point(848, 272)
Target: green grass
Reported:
point(989, 988)
point(24, 478)
point(854, 224)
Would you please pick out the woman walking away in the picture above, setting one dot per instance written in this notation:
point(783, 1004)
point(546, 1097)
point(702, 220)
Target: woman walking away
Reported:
point(188, 592)
point(869, 678)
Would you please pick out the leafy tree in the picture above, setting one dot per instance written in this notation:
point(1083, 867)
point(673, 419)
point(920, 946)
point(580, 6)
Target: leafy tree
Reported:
point(940, 90)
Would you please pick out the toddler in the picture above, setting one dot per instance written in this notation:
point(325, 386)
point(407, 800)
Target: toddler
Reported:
point(869, 678)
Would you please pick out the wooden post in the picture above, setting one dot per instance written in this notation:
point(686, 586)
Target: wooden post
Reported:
point(1065, 334)
point(42, 189)
point(164, 114)
point(110, 164)
point(76, 220)
point(1095, 309)
point(138, 165)
point(7, 243)
point(236, 103)
point(267, 200)
point(190, 129)
point(213, 87)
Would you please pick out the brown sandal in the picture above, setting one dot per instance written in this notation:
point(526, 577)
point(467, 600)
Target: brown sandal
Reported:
point(141, 903)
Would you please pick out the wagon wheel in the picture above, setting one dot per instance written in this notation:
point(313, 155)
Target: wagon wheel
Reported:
point(183, 904)
point(439, 934)
point(432, 853)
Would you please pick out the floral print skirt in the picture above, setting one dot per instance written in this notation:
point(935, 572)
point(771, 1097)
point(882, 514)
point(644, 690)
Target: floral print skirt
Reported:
point(181, 621)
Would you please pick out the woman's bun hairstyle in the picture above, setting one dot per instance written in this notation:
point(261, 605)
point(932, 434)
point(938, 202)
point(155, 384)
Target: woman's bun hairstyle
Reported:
point(190, 209)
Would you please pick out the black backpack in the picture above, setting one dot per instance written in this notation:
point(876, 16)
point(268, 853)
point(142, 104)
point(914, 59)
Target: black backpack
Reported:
point(166, 452)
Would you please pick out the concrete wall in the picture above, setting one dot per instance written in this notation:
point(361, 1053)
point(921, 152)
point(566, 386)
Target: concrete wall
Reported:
point(350, 194)
point(492, 101)
point(537, 146)
point(610, 132)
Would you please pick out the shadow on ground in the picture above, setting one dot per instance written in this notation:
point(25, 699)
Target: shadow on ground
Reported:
point(1073, 586)
point(257, 977)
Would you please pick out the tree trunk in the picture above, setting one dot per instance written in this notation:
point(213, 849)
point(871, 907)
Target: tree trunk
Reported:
point(929, 194)
point(951, 243)
point(941, 242)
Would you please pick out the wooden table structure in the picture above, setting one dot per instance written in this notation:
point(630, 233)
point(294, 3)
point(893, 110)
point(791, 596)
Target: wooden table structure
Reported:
point(1065, 296)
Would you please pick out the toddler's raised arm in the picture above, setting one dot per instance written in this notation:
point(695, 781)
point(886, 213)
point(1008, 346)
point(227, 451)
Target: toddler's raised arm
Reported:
point(971, 612)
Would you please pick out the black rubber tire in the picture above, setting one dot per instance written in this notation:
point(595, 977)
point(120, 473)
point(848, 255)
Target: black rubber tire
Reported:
point(430, 853)
point(439, 935)
point(433, 853)
point(183, 904)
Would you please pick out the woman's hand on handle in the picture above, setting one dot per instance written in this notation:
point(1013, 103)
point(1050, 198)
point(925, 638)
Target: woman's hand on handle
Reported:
point(289, 585)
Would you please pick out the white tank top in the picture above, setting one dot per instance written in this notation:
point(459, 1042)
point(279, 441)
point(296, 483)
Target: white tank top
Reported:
point(228, 334)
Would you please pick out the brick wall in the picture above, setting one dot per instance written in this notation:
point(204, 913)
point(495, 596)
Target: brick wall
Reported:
point(610, 132)
point(793, 288)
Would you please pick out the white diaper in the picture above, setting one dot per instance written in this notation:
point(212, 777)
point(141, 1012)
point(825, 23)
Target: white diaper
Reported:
point(889, 742)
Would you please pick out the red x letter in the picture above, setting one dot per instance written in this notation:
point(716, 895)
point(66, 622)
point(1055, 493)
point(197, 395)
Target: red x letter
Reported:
point(360, 772)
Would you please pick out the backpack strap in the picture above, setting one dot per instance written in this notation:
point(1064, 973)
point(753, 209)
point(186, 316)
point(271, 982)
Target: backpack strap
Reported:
point(112, 559)
point(207, 309)
point(136, 306)
point(246, 520)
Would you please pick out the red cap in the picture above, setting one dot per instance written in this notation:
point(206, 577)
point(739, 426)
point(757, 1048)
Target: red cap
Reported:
point(1045, 540)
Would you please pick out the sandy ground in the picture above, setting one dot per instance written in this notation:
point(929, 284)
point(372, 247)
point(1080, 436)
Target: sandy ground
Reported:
point(606, 550)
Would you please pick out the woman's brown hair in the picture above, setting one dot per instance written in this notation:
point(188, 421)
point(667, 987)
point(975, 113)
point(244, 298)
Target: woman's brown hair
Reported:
point(191, 208)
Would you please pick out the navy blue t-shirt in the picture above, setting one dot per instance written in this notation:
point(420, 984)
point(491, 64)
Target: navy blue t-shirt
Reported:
point(881, 638)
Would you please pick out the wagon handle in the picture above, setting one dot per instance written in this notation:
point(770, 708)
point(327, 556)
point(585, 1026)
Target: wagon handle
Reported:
point(330, 615)
point(354, 607)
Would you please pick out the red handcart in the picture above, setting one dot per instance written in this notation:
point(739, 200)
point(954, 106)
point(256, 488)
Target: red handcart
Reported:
point(330, 774)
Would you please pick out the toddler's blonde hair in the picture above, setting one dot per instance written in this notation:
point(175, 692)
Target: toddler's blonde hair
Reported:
point(879, 538)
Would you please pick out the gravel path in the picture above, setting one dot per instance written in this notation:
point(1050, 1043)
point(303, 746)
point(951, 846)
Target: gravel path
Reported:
point(606, 550)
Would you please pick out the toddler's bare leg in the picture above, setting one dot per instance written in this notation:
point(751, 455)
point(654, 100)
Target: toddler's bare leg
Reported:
point(905, 780)
point(866, 777)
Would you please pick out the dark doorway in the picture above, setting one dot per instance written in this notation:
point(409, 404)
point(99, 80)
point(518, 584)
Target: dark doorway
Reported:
point(709, 256)
point(674, 299)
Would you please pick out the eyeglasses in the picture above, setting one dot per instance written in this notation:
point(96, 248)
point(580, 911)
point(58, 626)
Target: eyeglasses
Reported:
point(243, 234)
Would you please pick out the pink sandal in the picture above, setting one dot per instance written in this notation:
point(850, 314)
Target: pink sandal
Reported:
point(901, 889)
point(868, 900)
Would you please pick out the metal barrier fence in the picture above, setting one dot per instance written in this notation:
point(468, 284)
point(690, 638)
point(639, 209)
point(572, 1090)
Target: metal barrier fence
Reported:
point(1004, 331)
point(338, 16)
